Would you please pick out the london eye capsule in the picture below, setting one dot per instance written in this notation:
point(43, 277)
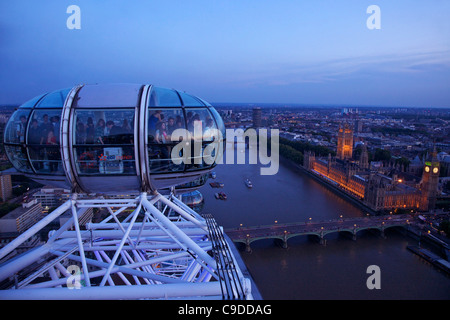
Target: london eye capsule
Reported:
point(114, 138)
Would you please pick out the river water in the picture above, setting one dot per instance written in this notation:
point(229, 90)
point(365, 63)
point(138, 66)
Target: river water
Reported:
point(308, 270)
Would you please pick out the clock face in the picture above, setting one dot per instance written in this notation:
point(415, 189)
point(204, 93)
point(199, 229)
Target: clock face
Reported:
point(427, 169)
point(435, 170)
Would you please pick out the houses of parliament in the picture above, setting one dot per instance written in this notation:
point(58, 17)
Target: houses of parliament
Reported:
point(377, 186)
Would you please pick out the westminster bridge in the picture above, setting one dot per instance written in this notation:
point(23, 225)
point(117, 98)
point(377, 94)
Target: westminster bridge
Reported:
point(320, 229)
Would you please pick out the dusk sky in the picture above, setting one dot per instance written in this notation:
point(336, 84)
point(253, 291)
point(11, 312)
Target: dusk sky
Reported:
point(251, 51)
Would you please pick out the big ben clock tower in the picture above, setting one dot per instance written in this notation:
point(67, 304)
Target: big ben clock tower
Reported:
point(430, 180)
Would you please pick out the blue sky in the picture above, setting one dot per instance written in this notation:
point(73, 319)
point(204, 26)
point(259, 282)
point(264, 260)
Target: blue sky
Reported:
point(283, 51)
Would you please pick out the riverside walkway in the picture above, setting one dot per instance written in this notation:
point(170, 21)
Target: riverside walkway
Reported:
point(283, 232)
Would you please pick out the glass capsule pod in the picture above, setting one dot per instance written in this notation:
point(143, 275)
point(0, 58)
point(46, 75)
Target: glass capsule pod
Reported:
point(115, 138)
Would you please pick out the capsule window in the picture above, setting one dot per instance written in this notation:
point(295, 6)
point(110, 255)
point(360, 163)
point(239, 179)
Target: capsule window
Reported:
point(43, 141)
point(54, 99)
point(190, 101)
point(103, 142)
point(18, 158)
point(198, 182)
point(219, 121)
point(162, 97)
point(202, 132)
point(15, 130)
point(32, 102)
point(166, 128)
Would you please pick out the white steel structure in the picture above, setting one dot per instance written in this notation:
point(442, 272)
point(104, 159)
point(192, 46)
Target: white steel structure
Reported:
point(150, 247)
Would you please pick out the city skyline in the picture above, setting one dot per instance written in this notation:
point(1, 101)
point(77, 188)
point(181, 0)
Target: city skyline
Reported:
point(245, 52)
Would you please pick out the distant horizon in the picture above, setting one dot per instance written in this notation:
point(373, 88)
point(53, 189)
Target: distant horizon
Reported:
point(318, 105)
point(286, 105)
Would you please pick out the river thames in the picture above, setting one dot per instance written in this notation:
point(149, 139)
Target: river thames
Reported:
point(306, 269)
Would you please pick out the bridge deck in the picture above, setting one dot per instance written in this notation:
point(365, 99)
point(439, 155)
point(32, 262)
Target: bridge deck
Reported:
point(321, 228)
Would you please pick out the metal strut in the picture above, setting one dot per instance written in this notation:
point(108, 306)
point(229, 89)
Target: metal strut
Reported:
point(145, 249)
point(229, 279)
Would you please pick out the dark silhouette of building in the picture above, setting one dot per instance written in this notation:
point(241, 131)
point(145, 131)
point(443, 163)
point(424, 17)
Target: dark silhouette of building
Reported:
point(364, 158)
point(358, 126)
point(257, 117)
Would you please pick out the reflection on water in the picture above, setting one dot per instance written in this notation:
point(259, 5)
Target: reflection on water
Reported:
point(307, 270)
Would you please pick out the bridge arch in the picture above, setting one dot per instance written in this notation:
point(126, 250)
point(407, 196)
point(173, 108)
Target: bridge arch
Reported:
point(306, 234)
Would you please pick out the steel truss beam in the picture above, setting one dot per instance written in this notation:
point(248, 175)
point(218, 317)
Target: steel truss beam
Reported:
point(155, 243)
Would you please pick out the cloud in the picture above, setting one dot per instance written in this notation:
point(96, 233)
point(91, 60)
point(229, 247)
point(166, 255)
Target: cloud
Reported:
point(346, 68)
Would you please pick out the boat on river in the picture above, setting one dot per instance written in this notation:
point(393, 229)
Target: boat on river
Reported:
point(220, 195)
point(216, 184)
